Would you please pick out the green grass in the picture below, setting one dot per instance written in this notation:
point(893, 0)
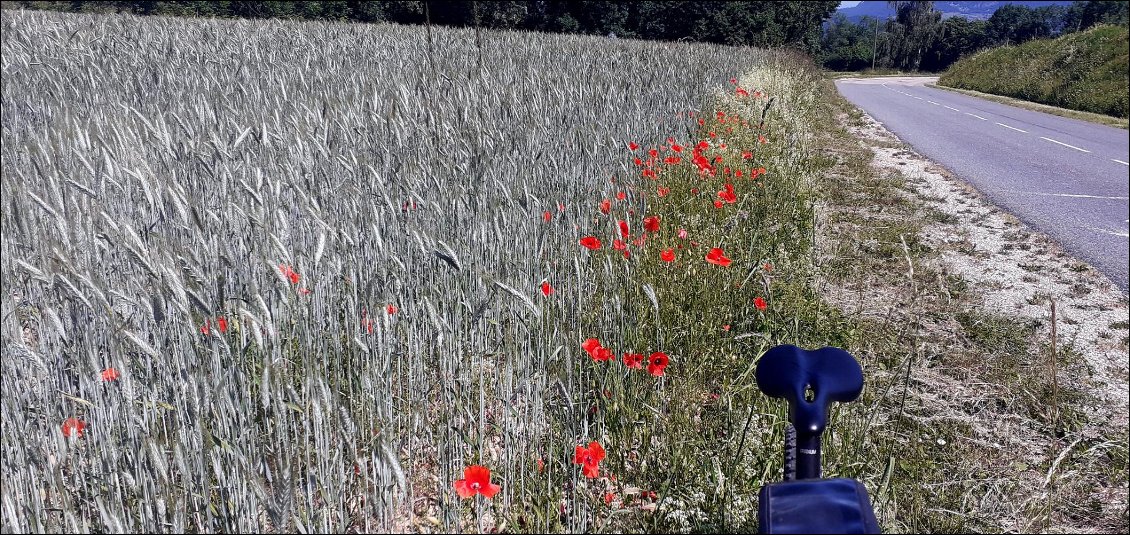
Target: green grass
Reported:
point(1085, 71)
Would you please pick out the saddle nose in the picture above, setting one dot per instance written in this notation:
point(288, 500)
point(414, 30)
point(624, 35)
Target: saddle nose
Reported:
point(810, 381)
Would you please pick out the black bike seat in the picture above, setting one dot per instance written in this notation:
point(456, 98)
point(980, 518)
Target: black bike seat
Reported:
point(810, 381)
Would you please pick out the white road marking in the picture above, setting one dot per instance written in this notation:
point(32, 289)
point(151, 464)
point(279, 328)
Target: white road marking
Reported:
point(934, 103)
point(1075, 195)
point(919, 98)
point(1064, 144)
point(977, 116)
point(950, 107)
point(1120, 161)
point(1111, 232)
point(1014, 128)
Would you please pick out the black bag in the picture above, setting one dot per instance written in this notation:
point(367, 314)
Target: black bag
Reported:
point(816, 506)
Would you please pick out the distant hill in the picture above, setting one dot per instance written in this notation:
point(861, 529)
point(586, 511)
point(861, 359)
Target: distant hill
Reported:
point(969, 10)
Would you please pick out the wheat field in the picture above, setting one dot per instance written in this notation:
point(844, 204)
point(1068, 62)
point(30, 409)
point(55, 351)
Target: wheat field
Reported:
point(276, 276)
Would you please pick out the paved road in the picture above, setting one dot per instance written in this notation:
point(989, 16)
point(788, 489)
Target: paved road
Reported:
point(1065, 177)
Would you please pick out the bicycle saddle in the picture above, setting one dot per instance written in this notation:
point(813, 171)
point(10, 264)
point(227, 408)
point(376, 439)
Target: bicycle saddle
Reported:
point(810, 381)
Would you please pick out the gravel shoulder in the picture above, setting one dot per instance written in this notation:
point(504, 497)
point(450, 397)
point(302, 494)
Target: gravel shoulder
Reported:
point(1016, 271)
point(1007, 431)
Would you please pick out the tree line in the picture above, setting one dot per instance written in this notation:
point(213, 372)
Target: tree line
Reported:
point(762, 24)
point(917, 39)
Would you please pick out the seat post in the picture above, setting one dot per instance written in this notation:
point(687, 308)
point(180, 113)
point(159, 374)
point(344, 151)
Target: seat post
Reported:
point(808, 456)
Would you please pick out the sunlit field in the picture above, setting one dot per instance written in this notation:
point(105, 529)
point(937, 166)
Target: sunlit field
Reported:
point(273, 276)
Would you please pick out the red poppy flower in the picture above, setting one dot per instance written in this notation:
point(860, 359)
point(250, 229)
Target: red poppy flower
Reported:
point(718, 204)
point(589, 458)
point(728, 194)
point(546, 288)
point(391, 309)
point(110, 374)
point(547, 216)
point(662, 191)
point(676, 147)
point(73, 426)
point(304, 291)
point(761, 139)
point(621, 195)
point(642, 239)
point(590, 242)
point(668, 255)
point(632, 145)
point(206, 329)
point(682, 233)
point(222, 324)
point(651, 224)
point(734, 81)
point(367, 324)
point(603, 354)
point(717, 257)
point(289, 273)
point(633, 360)
point(623, 228)
point(476, 480)
point(760, 304)
point(726, 327)
point(742, 92)
point(609, 497)
point(606, 206)
point(590, 345)
point(768, 266)
point(738, 173)
point(672, 160)
point(653, 153)
point(657, 363)
point(746, 155)
point(619, 245)
point(720, 115)
point(701, 122)
point(638, 161)
point(702, 145)
point(541, 464)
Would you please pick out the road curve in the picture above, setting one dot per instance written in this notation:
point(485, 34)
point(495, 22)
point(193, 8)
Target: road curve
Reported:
point(1065, 177)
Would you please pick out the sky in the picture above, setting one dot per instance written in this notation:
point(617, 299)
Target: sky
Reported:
point(848, 4)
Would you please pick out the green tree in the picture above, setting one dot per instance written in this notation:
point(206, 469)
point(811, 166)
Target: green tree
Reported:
point(959, 37)
point(846, 46)
point(1083, 15)
point(913, 32)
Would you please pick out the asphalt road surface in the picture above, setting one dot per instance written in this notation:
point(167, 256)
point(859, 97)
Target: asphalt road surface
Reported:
point(1065, 177)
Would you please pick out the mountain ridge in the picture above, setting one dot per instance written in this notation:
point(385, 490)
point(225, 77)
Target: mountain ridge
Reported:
point(969, 10)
